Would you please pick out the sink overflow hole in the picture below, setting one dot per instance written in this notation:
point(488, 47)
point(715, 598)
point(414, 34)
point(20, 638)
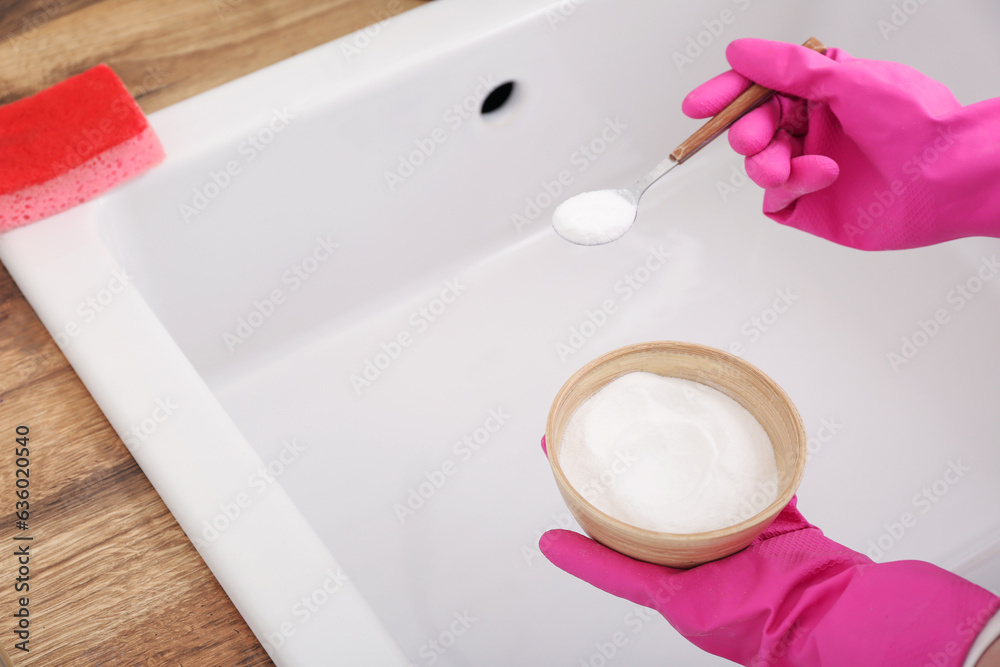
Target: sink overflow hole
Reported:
point(497, 98)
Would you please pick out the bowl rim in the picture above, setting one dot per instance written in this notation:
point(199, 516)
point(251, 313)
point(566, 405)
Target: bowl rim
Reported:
point(698, 349)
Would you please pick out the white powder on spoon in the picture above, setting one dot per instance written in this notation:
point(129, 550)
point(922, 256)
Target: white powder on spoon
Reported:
point(593, 218)
point(668, 454)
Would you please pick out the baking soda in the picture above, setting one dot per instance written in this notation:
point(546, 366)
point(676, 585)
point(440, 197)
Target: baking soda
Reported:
point(669, 455)
point(593, 218)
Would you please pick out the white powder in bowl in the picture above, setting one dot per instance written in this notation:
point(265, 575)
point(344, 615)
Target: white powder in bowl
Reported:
point(669, 455)
point(593, 218)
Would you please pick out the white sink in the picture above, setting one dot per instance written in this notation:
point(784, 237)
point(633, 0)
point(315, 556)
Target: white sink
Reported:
point(330, 325)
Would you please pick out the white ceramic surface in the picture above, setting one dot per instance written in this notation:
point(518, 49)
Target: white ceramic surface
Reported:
point(308, 232)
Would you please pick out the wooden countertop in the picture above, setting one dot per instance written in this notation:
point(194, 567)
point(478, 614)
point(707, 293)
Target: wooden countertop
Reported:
point(113, 579)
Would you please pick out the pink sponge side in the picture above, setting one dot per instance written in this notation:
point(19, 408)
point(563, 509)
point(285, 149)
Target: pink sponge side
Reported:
point(69, 144)
point(98, 174)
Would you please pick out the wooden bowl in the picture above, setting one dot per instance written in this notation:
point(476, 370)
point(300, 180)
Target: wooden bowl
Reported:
point(736, 378)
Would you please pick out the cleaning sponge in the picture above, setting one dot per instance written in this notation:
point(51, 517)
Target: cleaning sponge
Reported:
point(69, 143)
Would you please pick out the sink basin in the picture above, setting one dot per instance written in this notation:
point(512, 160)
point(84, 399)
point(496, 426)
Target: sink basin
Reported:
point(329, 326)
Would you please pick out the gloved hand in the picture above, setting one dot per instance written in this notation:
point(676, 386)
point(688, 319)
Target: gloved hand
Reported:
point(795, 597)
point(867, 153)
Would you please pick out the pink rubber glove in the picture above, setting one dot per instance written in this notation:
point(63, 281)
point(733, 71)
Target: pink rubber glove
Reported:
point(794, 597)
point(867, 153)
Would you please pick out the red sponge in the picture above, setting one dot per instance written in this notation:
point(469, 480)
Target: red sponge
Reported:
point(70, 143)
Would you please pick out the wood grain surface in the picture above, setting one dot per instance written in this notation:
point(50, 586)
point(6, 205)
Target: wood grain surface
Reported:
point(113, 579)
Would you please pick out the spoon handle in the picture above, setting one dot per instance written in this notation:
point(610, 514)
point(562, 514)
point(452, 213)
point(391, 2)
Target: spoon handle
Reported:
point(720, 122)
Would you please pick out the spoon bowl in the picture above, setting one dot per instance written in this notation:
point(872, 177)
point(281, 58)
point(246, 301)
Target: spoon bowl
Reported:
point(596, 218)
